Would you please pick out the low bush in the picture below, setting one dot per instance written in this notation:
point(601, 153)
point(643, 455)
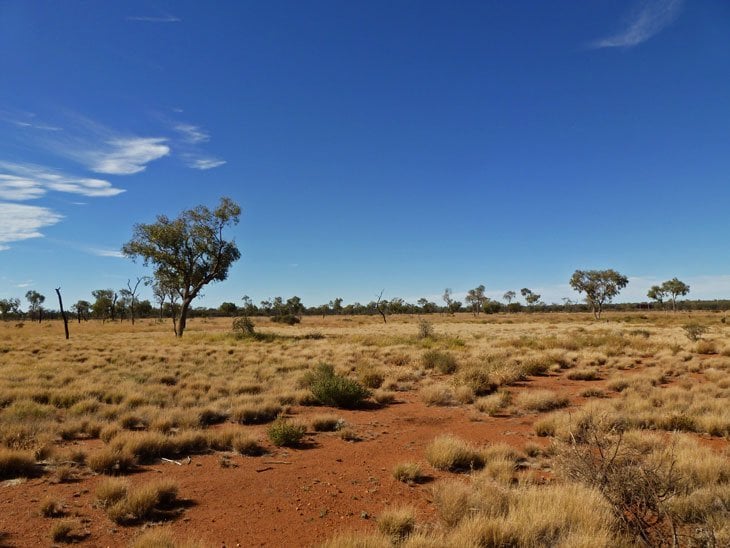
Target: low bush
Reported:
point(244, 328)
point(335, 390)
point(284, 433)
point(443, 362)
point(287, 319)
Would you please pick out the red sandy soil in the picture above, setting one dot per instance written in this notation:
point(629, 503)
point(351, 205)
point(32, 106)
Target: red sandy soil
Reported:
point(289, 497)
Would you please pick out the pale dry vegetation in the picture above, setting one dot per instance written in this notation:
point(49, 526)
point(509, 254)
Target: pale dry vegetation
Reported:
point(578, 383)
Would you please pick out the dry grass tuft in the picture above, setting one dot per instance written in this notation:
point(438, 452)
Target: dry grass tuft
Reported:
point(541, 400)
point(408, 472)
point(397, 523)
point(16, 464)
point(453, 454)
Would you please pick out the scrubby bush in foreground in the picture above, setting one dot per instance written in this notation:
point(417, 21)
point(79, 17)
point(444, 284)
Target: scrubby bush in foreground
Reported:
point(335, 390)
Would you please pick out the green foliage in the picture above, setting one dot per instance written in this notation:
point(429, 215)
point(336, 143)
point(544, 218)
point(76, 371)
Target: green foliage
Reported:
point(187, 252)
point(288, 319)
point(600, 287)
point(443, 362)
point(284, 433)
point(335, 390)
point(244, 328)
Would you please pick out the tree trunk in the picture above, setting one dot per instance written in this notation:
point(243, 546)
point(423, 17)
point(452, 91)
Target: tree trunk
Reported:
point(63, 312)
point(182, 318)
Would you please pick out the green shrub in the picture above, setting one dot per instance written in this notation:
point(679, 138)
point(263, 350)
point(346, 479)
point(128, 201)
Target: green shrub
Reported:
point(335, 390)
point(244, 328)
point(284, 433)
point(443, 362)
point(287, 319)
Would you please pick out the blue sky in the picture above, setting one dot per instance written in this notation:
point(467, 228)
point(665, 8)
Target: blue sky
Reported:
point(407, 146)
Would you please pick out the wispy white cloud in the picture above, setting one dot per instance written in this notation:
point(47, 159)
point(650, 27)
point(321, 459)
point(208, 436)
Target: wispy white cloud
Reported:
point(28, 181)
point(21, 222)
point(26, 120)
point(650, 18)
point(124, 156)
point(165, 18)
point(192, 134)
point(106, 253)
point(30, 125)
point(205, 163)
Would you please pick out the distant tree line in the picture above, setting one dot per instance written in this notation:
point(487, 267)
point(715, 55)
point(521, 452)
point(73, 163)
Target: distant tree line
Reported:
point(600, 288)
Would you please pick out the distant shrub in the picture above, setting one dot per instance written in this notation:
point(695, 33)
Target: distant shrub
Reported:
point(288, 319)
point(425, 329)
point(443, 362)
point(694, 331)
point(335, 390)
point(284, 433)
point(244, 327)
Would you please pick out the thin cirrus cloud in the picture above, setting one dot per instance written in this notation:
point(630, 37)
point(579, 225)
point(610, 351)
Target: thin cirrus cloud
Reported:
point(106, 253)
point(19, 182)
point(192, 134)
point(205, 163)
point(125, 156)
point(166, 18)
point(648, 20)
point(22, 222)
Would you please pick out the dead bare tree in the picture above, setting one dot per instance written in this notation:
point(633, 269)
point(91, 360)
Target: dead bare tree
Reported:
point(380, 306)
point(63, 312)
point(132, 293)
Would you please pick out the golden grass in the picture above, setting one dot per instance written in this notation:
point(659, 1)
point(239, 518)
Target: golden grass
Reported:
point(408, 472)
point(146, 395)
point(450, 453)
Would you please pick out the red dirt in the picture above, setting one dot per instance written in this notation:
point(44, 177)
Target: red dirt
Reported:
point(290, 497)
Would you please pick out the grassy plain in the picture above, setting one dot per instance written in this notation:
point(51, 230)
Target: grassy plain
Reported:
point(510, 429)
